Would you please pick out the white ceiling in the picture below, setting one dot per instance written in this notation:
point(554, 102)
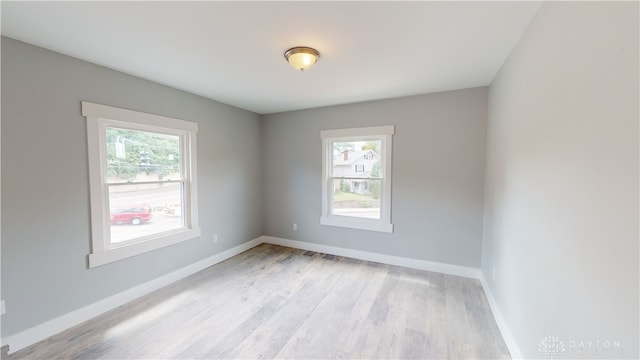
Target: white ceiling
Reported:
point(233, 51)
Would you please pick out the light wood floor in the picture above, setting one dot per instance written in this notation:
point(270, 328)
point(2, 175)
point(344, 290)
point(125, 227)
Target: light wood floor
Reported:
point(276, 302)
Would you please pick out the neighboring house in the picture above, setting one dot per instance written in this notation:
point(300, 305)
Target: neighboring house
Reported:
point(354, 164)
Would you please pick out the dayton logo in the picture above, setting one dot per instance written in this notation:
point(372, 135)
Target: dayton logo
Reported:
point(551, 345)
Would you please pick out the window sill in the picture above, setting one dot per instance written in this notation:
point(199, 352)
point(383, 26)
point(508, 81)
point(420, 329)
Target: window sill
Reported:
point(354, 223)
point(119, 253)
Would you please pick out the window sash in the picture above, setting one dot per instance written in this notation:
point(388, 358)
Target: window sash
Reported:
point(144, 182)
point(356, 178)
point(109, 244)
point(183, 173)
point(331, 203)
point(183, 169)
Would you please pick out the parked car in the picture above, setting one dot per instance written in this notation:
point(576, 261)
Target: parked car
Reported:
point(135, 215)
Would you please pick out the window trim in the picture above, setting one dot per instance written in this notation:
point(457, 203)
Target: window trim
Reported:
point(383, 133)
point(99, 117)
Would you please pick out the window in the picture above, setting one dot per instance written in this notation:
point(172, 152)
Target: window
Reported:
point(356, 171)
point(142, 172)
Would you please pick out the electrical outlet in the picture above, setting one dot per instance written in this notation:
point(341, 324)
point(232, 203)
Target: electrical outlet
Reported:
point(295, 227)
point(3, 309)
point(215, 238)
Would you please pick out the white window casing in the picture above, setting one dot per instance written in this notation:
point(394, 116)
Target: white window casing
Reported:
point(384, 134)
point(99, 118)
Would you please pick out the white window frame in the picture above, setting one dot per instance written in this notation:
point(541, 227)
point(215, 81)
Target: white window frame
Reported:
point(99, 117)
point(385, 135)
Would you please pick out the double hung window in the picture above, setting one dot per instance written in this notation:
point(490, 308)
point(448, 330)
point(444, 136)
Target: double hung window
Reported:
point(356, 189)
point(142, 181)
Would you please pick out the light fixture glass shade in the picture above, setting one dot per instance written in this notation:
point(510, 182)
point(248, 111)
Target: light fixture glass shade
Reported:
point(302, 58)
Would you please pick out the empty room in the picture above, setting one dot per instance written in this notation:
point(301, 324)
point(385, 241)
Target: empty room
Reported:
point(320, 180)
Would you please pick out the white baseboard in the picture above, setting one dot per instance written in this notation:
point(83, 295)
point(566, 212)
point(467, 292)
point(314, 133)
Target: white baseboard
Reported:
point(66, 321)
point(377, 257)
point(449, 269)
point(509, 340)
point(40, 332)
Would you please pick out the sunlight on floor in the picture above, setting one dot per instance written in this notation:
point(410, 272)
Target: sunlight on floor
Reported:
point(147, 316)
point(417, 279)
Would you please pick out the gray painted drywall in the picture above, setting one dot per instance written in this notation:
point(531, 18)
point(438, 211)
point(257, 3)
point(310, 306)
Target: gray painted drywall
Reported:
point(437, 176)
point(45, 195)
point(561, 197)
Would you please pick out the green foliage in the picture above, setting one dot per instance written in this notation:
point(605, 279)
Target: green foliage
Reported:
point(374, 185)
point(375, 169)
point(374, 188)
point(344, 186)
point(144, 152)
point(372, 145)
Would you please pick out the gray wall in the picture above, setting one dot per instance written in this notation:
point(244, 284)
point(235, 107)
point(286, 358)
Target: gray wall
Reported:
point(561, 198)
point(437, 183)
point(45, 194)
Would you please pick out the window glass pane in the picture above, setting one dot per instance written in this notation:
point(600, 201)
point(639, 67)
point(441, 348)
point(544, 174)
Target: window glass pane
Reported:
point(134, 155)
point(356, 158)
point(357, 198)
point(144, 209)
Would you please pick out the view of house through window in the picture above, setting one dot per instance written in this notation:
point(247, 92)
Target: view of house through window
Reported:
point(356, 172)
point(144, 183)
point(356, 178)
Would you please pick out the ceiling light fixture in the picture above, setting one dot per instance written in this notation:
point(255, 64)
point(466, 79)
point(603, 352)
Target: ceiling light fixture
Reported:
point(302, 58)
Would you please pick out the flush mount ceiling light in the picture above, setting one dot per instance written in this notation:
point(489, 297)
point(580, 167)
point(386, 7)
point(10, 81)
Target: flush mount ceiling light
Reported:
point(301, 57)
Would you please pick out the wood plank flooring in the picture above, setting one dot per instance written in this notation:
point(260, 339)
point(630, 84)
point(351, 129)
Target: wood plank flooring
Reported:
point(277, 302)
